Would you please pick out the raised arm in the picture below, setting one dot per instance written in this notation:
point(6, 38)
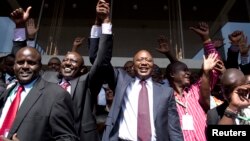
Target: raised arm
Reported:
point(31, 32)
point(102, 62)
point(202, 29)
point(244, 49)
point(233, 50)
point(102, 13)
point(19, 17)
point(208, 65)
point(239, 100)
point(78, 42)
point(165, 48)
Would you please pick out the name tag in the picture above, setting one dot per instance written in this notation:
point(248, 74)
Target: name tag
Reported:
point(187, 122)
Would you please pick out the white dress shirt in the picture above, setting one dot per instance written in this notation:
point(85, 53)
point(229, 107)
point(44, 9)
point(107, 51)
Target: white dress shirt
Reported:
point(128, 121)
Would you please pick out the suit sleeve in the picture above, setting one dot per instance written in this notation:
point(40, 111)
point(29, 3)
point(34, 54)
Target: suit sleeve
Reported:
point(61, 119)
point(245, 68)
point(18, 45)
point(175, 131)
point(232, 58)
point(212, 117)
point(93, 48)
point(102, 64)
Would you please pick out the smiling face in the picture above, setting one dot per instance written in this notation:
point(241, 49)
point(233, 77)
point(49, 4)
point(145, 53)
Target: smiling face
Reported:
point(27, 65)
point(180, 74)
point(71, 65)
point(143, 64)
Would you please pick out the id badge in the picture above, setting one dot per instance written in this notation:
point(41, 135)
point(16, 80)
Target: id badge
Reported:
point(187, 122)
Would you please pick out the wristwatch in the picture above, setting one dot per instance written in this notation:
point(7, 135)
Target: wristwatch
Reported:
point(230, 114)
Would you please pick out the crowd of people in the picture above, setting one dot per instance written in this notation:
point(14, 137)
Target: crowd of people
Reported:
point(137, 102)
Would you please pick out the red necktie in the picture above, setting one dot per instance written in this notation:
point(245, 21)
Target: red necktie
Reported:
point(143, 120)
point(65, 85)
point(10, 117)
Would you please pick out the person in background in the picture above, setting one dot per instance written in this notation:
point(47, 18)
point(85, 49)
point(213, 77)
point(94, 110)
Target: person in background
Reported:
point(235, 109)
point(102, 111)
point(128, 67)
point(54, 64)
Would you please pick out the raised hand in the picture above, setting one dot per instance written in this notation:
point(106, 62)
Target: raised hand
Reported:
point(240, 97)
point(77, 43)
point(19, 16)
point(236, 37)
point(220, 67)
point(202, 29)
point(103, 11)
point(243, 46)
point(31, 28)
point(164, 46)
point(210, 62)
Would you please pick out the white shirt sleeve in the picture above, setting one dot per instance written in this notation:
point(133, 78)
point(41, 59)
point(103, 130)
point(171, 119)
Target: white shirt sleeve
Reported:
point(96, 31)
point(107, 28)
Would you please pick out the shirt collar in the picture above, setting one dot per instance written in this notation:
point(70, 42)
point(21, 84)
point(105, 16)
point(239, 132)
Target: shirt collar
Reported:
point(28, 86)
point(63, 80)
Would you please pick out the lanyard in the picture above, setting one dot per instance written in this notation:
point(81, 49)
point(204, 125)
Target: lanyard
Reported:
point(184, 105)
point(243, 118)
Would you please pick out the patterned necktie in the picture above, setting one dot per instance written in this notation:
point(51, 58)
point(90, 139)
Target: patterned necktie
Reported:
point(143, 119)
point(10, 116)
point(65, 85)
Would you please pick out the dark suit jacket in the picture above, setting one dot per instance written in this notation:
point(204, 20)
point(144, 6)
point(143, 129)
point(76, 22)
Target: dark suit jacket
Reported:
point(85, 90)
point(46, 114)
point(2, 86)
point(18, 45)
point(166, 118)
point(214, 115)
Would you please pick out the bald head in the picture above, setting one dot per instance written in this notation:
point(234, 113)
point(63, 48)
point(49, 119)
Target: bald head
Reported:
point(27, 65)
point(231, 79)
point(29, 51)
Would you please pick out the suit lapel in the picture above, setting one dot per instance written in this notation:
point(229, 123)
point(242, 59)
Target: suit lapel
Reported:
point(157, 94)
point(73, 84)
point(123, 88)
point(27, 104)
point(4, 97)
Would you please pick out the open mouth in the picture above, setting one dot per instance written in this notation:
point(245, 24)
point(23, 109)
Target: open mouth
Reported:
point(24, 74)
point(67, 70)
point(143, 70)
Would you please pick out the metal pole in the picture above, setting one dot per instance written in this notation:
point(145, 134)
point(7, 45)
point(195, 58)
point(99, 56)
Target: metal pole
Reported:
point(111, 9)
point(181, 28)
point(39, 21)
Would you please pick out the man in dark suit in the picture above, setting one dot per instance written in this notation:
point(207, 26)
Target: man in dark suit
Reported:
point(84, 88)
point(121, 122)
point(123, 119)
point(45, 110)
